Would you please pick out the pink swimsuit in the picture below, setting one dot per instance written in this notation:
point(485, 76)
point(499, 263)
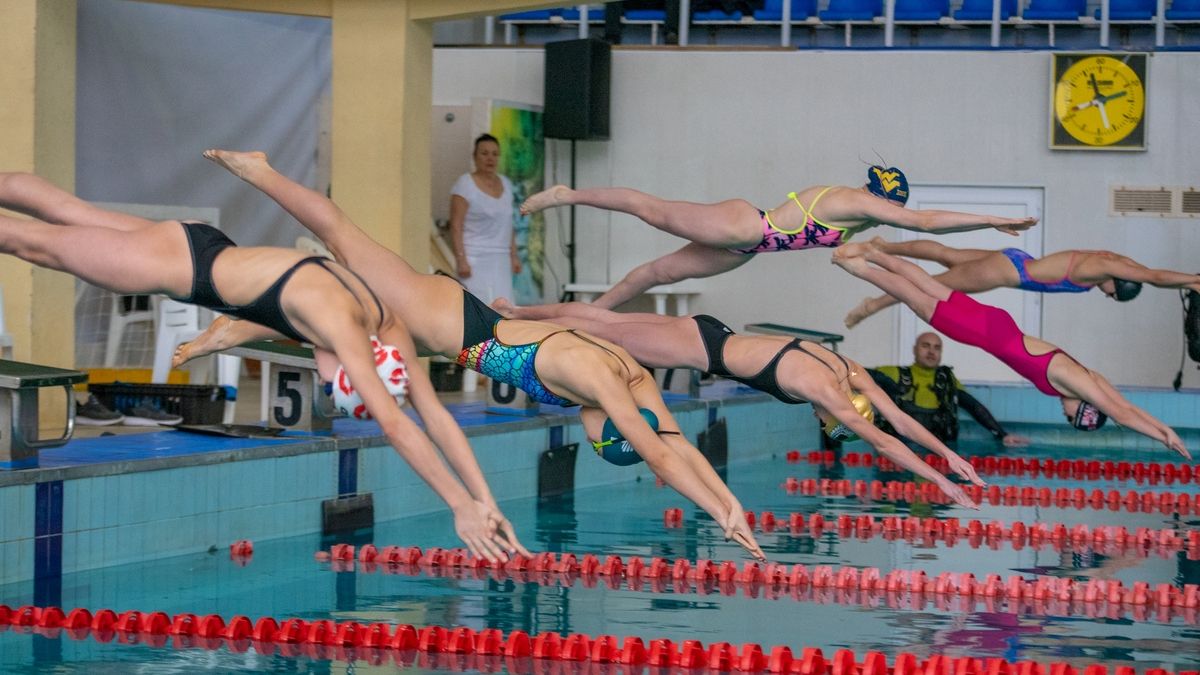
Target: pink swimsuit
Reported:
point(964, 320)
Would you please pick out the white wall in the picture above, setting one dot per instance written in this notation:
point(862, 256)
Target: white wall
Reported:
point(707, 126)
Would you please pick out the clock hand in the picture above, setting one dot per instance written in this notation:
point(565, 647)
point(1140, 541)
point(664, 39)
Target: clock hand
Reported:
point(1095, 87)
point(1110, 97)
point(1085, 105)
point(1103, 116)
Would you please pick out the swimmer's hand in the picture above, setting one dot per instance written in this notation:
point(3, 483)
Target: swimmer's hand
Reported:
point(1015, 441)
point(964, 469)
point(506, 535)
point(1014, 226)
point(957, 494)
point(478, 525)
point(737, 529)
point(1175, 443)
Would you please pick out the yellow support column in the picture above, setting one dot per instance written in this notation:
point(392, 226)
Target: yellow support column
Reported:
point(382, 116)
point(37, 134)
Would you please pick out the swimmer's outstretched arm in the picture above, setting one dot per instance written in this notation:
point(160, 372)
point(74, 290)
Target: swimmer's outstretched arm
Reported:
point(863, 206)
point(835, 403)
point(450, 439)
point(617, 401)
point(906, 426)
point(1094, 388)
point(1124, 268)
point(475, 522)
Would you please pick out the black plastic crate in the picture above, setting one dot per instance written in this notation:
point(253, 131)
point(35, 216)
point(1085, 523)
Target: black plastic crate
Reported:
point(446, 376)
point(196, 403)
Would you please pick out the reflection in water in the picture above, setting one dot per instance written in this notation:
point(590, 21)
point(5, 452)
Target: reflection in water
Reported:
point(626, 520)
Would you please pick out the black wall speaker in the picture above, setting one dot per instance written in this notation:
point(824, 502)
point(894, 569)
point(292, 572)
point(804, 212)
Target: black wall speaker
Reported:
point(577, 78)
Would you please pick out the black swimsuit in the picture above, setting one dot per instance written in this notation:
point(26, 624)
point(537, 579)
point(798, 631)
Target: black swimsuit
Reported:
point(714, 334)
point(206, 243)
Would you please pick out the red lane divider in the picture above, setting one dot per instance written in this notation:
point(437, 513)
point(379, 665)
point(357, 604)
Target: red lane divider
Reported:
point(1105, 539)
point(518, 651)
point(1008, 495)
point(1076, 469)
point(1044, 595)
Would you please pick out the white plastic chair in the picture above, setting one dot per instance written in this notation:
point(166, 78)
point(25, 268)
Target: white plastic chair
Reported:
point(177, 323)
point(118, 321)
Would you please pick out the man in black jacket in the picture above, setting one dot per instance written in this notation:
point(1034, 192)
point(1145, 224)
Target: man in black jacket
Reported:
point(929, 392)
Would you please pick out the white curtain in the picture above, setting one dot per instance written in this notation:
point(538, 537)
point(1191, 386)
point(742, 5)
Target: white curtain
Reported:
point(158, 84)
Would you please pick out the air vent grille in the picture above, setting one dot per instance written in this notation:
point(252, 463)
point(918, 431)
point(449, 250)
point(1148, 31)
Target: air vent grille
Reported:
point(1157, 200)
point(1190, 204)
point(1127, 200)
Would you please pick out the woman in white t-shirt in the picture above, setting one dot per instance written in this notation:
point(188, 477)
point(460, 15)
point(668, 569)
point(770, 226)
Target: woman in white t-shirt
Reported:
point(481, 226)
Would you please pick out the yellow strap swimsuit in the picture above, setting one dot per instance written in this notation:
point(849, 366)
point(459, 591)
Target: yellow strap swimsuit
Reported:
point(812, 234)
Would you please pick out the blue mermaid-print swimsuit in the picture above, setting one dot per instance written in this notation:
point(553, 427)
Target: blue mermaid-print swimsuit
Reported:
point(482, 351)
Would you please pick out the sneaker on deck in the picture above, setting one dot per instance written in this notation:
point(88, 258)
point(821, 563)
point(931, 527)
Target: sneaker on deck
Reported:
point(95, 413)
point(148, 416)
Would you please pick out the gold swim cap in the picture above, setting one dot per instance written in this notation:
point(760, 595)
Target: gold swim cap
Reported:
point(840, 432)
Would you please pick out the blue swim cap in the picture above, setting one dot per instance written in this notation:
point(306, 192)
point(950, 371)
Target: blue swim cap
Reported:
point(613, 447)
point(889, 183)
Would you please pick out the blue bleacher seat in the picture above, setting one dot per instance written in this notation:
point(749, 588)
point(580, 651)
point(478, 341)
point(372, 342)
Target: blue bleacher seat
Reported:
point(1054, 10)
point(715, 15)
point(1184, 10)
point(535, 15)
point(1130, 10)
point(921, 10)
point(773, 10)
point(981, 10)
point(852, 10)
point(572, 13)
point(646, 15)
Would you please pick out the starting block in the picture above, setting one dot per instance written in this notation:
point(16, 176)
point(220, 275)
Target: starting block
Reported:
point(294, 395)
point(506, 399)
point(19, 384)
point(831, 339)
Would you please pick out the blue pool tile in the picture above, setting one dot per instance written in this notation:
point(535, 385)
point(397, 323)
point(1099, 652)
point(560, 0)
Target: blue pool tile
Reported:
point(16, 512)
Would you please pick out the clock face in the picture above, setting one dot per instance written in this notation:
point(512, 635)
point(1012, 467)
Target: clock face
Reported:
point(1099, 101)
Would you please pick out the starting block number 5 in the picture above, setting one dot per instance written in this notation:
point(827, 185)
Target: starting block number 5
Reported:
point(298, 400)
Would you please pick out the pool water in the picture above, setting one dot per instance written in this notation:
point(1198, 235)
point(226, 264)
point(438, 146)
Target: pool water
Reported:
point(283, 580)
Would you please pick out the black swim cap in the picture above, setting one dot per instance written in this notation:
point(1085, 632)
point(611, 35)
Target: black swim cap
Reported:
point(1125, 290)
point(1088, 417)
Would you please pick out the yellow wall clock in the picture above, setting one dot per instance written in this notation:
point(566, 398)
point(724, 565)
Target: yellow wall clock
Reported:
point(1098, 102)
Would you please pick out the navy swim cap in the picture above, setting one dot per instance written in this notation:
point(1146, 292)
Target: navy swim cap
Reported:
point(1125, 290)
point(1088, 417)
point(613, 447)
point(889, 183)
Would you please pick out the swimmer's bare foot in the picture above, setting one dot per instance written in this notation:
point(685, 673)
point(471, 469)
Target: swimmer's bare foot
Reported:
point(555, 196)
point(213, 339)
point(239, 164)
point(854, 264)
point(860, 312)
point(505, 308)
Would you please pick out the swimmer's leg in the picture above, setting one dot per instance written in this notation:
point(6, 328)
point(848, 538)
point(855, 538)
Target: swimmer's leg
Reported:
point(693, 261)
point(35, 196)
point(728, 224)
point(155, 259)
point(313, 210)
point(223, 333)
point(901, 287)
point(973, 277)
point(927, 249)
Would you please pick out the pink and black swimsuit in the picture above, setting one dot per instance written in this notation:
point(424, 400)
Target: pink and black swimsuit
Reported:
point(993, 330)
